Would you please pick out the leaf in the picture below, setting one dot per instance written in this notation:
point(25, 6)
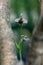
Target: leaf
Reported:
point(20, 43)
point(17, 45)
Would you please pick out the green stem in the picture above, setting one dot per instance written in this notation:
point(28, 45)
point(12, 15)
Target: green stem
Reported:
point(20, 29)
point(20, 42)
point(20, 49)
point(20, 55)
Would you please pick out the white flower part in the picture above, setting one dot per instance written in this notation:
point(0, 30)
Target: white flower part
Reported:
point(17, 20)
point(25, 21)
point(26, 39)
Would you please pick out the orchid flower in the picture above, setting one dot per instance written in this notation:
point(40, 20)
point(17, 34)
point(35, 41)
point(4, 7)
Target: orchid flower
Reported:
point(21, 20)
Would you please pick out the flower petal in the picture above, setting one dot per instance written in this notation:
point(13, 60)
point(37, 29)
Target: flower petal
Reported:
point(25, 21)
point(17, 19)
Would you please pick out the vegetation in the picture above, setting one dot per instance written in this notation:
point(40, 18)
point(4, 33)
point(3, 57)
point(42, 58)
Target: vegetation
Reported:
point(30, 11)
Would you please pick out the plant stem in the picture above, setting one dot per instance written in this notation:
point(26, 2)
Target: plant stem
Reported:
point(20, 55)
point(20, 43)
point(20, 29)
